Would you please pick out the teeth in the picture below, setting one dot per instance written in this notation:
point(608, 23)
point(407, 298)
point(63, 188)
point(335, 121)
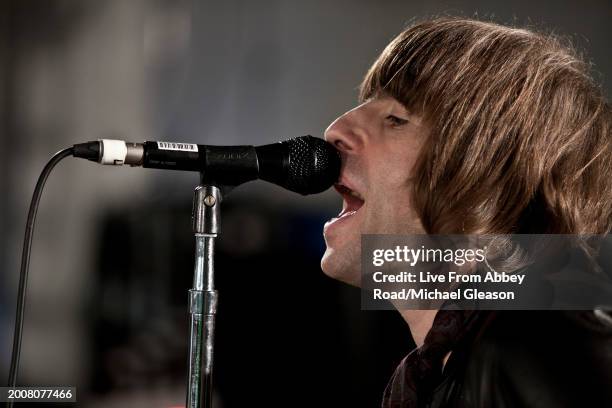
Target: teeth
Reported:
point(356, 194)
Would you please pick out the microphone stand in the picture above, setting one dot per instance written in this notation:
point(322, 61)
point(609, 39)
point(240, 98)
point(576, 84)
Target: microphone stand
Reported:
point(203, 296)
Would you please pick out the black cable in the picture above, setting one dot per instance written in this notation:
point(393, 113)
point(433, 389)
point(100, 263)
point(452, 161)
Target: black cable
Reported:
point(25, 263)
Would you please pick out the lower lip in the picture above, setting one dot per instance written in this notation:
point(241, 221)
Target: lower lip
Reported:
point(339, 220)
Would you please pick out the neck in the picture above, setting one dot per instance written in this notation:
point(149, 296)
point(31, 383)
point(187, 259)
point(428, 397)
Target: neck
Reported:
point(419, 322)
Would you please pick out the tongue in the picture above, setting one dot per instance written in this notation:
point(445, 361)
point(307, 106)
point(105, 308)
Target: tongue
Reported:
point(352, 203)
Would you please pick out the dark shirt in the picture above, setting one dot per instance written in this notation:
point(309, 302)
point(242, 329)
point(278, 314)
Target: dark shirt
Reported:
point(520, 359)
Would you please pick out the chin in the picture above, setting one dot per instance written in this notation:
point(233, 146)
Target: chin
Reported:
point(341, 267)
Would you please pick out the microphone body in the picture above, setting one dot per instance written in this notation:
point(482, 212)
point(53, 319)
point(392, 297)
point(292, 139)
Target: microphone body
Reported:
point(226, 165)
point(305, 165)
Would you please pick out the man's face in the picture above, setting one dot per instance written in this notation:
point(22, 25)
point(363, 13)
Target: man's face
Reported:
point(379, 142)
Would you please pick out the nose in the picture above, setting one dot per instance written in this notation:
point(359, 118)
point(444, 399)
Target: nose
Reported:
point(345, 133)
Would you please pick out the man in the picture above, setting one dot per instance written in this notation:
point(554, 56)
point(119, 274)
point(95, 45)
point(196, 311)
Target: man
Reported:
point(467, 127)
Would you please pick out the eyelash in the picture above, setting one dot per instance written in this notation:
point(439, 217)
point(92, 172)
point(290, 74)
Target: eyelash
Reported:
point(395, 121)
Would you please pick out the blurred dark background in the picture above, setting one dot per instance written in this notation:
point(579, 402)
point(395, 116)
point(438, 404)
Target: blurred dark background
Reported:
point(113, 250)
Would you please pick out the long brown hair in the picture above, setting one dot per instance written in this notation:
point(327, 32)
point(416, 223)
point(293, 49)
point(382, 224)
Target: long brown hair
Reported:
point(519, 140)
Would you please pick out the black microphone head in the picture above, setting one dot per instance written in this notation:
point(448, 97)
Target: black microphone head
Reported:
point(314, 165)
point(305, 165)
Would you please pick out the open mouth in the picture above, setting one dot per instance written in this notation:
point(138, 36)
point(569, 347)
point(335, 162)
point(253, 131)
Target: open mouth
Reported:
point(352, 200)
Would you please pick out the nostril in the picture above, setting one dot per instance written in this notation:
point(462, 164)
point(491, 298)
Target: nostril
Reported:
point(341, 145)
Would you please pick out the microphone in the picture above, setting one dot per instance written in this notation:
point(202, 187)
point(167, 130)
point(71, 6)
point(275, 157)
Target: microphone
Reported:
point(305, 165)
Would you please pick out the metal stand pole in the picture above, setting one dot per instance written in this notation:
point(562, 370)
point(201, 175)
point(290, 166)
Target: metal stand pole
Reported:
point(203, 297)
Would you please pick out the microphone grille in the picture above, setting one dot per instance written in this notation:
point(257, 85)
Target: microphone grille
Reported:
point(314, 165)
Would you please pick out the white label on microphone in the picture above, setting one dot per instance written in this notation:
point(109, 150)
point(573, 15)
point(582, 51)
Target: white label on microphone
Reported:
point(185, 147)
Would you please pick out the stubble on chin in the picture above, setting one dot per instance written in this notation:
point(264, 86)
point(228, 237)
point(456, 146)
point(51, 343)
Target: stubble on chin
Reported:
point(343, 265)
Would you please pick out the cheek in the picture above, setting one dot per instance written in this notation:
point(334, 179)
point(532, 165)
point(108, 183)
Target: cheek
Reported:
point(389, 204)
point(390, 180)
point(391, 212)
point(393, 163)
point(390, 169)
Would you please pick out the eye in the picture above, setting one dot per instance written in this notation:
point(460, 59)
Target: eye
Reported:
point(396, 121)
